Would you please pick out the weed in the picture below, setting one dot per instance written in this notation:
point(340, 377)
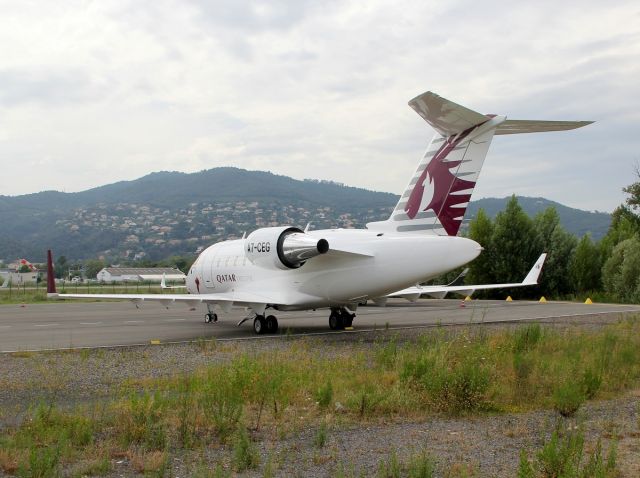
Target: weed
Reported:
point(320, 439)
point(386, 353)
point(223, 400)
point(525, 470)
point(151, 463)
point(43, 462)
point(527, 337)
point(324, 395)
point(420, 465)
point(389, 468)
point(245, 454)
point(95, 467)
point(562, 456)
point(567, 398)
point(591, 383)
point(141, 422)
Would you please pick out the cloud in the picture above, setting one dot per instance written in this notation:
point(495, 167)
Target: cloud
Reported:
point(97, 92)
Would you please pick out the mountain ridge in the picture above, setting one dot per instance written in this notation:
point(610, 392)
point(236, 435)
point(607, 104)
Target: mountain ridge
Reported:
point(170, 212)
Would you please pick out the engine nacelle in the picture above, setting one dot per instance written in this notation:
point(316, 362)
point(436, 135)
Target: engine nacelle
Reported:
point(282, 247)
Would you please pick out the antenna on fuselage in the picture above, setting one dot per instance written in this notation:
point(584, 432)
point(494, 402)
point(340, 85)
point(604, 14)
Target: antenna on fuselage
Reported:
point(306, 229)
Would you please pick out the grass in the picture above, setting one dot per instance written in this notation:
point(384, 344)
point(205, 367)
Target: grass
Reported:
point(30, 294)
point(564, 456)
point(292, 389)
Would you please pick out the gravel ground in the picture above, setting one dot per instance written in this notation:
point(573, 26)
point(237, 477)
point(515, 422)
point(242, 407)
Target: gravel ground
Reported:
point(483, 446)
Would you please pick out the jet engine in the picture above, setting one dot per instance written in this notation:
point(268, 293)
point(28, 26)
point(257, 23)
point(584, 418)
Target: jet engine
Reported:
point(282, 247)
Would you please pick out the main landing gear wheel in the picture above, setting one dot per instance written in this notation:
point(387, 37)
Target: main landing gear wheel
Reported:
point(208, 318)
point(259, 324)
point(340, 318)
point(272, 324)
point(335, 320)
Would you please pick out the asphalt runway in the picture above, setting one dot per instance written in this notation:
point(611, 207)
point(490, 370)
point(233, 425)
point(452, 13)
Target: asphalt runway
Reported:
point(59, 325)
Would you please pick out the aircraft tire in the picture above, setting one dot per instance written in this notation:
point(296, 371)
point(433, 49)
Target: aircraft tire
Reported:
point(272, 324)
point(335, 321)
point(207, 318)
point(259, 325)
point(347, 319)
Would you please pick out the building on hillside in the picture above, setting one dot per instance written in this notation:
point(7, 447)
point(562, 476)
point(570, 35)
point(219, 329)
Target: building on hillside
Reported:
point(140, 274)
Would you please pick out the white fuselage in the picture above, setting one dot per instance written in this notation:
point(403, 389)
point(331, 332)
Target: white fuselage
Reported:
point(360, 264)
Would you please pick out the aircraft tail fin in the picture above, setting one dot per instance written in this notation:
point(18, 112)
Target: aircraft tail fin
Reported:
point(438, 193)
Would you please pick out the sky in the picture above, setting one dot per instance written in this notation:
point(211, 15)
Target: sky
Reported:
point(93, 92)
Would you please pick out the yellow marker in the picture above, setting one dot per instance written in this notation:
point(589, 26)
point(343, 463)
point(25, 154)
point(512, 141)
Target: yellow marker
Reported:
point(467, 298)
point(509, 299)
point(155, 342)
point(588, 301)
point(348, 328)
point(542, 299)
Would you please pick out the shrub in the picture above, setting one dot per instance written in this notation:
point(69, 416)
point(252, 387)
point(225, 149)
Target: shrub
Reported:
point(320, 439)
point(591, 382)
point(245, 454)
point(567, 398)
point(141, 422)
point(43, 462)
point(421, 465)
point(324, 395)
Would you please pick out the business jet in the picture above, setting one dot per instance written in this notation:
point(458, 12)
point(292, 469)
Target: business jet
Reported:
point(287, 268)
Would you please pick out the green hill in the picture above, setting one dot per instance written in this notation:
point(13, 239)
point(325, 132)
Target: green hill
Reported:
point(168, 213)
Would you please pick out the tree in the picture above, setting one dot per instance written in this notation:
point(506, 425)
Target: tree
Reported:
point(515, 245)
point(559, 245)
point(92, 267)
point(24, 269)
point(61, 267)
point(621, 272)
point(585, 266)
point(481, 231)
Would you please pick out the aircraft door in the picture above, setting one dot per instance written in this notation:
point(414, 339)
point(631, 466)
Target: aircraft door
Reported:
point(209, 274)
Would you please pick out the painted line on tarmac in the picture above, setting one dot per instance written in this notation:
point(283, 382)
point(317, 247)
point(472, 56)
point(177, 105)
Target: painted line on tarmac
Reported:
point(90, 323)
point(45, 325)
point(133, 322)
point(337, 332)
point(174, 320)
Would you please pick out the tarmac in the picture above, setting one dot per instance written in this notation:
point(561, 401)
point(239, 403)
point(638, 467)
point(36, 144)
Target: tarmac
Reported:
point(65, 324)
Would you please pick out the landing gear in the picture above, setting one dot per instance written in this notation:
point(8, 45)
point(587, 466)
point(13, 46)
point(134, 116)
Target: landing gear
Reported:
point(272, 324)
point(340, 318)
point(211, 317)
point(259, 324)
point(265, 325)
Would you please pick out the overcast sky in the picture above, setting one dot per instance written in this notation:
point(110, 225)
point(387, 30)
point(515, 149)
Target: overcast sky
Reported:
point(96, 92)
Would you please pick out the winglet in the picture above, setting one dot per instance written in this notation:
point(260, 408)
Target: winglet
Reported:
point(163, 282)
point(51, 280)
point(534, 273)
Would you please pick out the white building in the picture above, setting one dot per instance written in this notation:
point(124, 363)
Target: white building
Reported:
point(138, 274)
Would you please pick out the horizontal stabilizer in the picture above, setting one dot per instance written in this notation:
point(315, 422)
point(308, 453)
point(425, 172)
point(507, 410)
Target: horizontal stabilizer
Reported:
point(445, 116)
point(535, 126)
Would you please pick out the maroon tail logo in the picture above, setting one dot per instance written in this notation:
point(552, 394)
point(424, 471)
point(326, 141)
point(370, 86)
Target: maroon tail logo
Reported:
point(441, 182)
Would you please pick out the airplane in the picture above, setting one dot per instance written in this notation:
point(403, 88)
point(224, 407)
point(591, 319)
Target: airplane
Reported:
point(288, 269)
point(412, 294)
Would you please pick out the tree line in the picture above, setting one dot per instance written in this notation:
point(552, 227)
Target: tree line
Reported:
point(606, 270)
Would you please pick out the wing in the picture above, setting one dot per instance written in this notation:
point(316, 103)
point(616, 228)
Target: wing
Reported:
point(440, 291)
point(256, 302)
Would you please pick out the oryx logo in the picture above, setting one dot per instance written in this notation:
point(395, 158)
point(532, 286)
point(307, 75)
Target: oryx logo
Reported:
point(435, 185)
point(198, 284)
